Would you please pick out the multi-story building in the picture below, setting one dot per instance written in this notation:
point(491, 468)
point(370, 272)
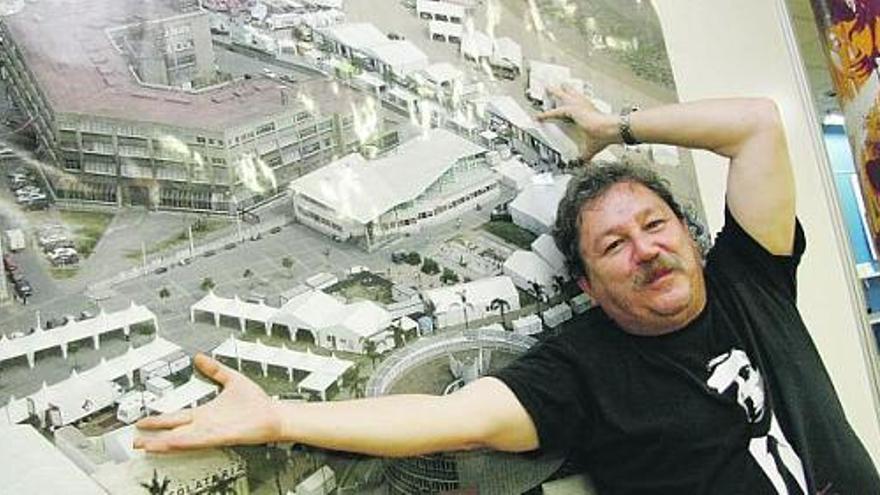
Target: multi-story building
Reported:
point(116, 132)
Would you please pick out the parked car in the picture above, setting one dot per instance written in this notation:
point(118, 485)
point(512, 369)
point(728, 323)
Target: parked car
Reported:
point(9, 263)
point(23, 288)
point(16, 335)
point(85, 315)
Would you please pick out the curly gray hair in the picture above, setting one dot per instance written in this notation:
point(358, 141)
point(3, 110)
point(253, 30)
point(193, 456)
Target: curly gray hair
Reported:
point(591, 182)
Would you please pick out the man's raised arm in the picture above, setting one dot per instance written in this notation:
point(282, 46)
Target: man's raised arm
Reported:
point(483, 414)
point(760, 182)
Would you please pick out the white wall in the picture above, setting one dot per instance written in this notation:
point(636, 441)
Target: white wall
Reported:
point(746, 48)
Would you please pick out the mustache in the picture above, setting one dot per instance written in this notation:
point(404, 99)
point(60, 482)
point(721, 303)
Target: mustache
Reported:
point(650, 271)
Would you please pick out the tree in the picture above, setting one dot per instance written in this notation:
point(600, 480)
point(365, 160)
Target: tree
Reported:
point(371, 351)
point(207, 284)
point(157, 486)
point(287, 264)
point(538, 292)
point(164, 294)
point(448, 276)
point(499, 304)
point(413, 258)
point(430, 267)
point(248, 275)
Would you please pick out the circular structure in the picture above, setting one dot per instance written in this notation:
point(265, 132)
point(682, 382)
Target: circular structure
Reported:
point(424, 367)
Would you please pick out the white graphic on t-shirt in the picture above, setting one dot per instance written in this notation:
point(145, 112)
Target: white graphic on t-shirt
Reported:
point(772, 451)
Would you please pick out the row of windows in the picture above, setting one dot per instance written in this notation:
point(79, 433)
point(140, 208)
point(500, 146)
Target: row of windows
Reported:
point(321, 220)
point(440, 209)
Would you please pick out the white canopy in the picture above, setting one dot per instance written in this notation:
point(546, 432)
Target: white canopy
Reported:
point(281, 357)
point(74, 330)
point(233, 307)
point(186, 395)
point(107, 371)
point(525, 267)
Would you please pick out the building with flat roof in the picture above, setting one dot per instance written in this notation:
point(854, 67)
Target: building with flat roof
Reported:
point(428, 180)
point(114, 132)
point(25, 451)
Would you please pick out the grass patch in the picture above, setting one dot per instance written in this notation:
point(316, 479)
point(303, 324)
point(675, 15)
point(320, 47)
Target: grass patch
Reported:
point(511, 233)
point(200, 230)
point(364, 285)
point(87, 228)
point(63, 273)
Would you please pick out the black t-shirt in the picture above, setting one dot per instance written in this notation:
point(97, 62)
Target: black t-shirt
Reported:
point(738, 401)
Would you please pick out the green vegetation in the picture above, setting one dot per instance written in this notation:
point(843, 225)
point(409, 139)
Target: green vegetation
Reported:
point(63, 272)
point(511, 233)
point(430, 267)
point(207, 284)
point(448, 276)
point(87, 228)
point(413, 258)
point(364, 285)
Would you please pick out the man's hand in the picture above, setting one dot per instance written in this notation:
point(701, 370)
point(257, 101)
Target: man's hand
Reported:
point(241, 414)
point(600, 130)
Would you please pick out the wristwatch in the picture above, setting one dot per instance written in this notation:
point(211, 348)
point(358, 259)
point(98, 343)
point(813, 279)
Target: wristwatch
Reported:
point(623, 126)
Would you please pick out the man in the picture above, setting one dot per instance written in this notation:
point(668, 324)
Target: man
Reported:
point(687, 380)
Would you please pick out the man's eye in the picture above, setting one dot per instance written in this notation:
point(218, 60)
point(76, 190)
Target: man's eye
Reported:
point(613, 245)
point(655, 224)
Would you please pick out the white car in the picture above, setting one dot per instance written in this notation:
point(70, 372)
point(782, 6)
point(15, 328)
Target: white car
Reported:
point(62, 252)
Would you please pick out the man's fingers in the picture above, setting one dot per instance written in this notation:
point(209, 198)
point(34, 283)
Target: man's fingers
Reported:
point(186, 438)
point(212, 369)
point(166, 421)
point(556, 113)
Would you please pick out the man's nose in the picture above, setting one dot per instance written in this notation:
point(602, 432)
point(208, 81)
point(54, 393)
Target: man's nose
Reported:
point(644, 248)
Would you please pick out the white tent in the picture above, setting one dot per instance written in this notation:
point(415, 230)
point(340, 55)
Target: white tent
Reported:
point(534, 209)
point(450, 309)
point(16, 410)
point(233, 308)
point(525, 267)
point(515, 173)
point(186, 395)
point(326, 367)
point(545, 247)
point(91, 328)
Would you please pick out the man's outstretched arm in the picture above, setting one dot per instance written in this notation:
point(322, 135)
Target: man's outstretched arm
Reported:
point(483, 414)
point(749, 131)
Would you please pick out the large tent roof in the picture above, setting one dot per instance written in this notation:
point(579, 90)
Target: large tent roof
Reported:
point(364, 190)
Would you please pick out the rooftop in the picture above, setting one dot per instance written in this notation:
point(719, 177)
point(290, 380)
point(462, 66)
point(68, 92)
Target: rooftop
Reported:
point(364, 190)
point(79, 71)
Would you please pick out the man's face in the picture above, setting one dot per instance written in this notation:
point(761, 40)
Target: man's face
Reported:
point(643, 265)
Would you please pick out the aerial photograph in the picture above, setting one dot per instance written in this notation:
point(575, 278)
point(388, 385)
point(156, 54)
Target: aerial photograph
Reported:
point(338, 198)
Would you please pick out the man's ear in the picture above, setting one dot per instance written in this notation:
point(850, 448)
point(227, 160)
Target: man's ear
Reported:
point(585, 286)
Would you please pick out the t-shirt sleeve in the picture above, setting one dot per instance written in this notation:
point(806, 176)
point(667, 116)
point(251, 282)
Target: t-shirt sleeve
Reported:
point(544, 381)
point(745, 258)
